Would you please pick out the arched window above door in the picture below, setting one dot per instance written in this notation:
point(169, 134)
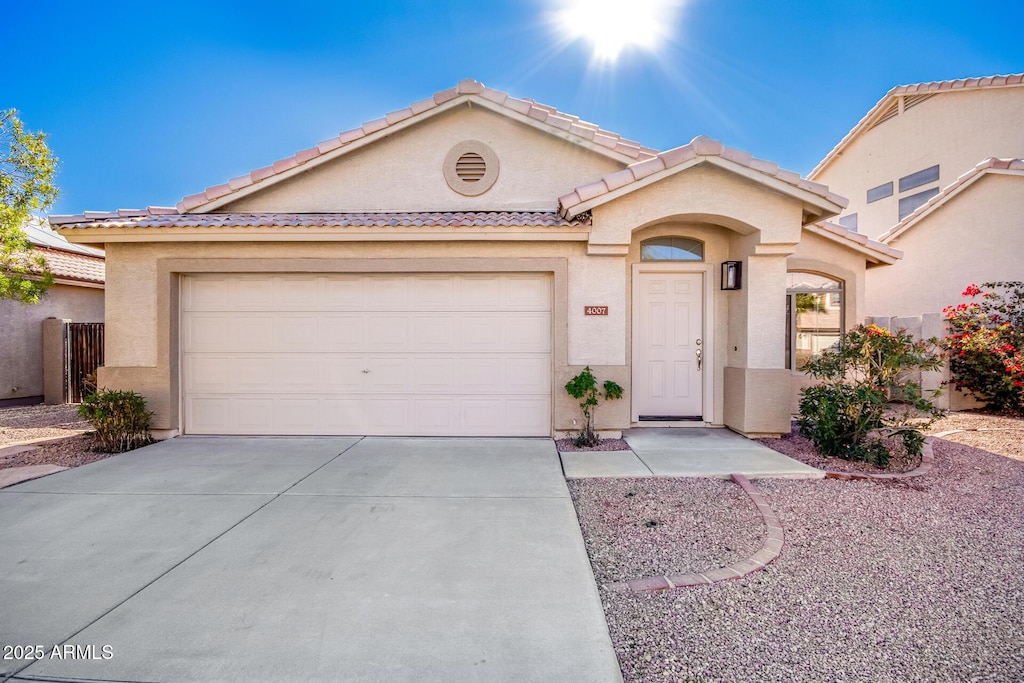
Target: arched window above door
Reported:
point(671, 249)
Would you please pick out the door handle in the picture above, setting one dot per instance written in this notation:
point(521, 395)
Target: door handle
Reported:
point(700, 356)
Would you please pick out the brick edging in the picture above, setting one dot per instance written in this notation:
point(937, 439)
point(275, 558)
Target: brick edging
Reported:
point(770, 549)
point(927, 463)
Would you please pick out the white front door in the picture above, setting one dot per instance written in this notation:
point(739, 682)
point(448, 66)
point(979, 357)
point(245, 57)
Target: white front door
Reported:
point(668, 346)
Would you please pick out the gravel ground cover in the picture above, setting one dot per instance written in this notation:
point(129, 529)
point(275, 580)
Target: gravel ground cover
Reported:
point(29, 423)
point(916, 581)
point(641, 527)
point(566, 445)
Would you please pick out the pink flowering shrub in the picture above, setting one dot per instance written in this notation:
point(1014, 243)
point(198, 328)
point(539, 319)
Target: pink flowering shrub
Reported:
point(985, 343)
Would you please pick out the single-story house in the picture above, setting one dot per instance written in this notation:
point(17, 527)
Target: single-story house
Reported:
point(444, 270)
point(76, 294)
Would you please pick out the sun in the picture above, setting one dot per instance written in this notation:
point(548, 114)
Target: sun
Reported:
point(611, 26)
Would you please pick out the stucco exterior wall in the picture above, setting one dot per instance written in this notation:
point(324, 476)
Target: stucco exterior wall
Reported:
point(403, 172)
point(142, 351)
point(21, 334)
point(955, 130)
point(978, 236)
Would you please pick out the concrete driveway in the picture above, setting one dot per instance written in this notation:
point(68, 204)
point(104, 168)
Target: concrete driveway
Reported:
point(286, 559)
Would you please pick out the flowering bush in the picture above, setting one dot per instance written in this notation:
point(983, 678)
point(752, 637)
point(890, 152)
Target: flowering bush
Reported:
point(866, 399)
point(985, 344)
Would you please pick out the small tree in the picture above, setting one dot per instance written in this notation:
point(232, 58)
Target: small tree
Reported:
point(866, 396)
point(583, 387)
point(26, 184)
point(985, 344)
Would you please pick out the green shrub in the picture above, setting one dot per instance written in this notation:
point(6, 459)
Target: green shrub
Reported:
point(120, 419)
point(583, 388)
point(865, 400)
point(986, 344)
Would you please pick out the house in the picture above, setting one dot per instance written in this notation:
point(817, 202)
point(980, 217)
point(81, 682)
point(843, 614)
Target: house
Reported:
point(935, 170)
point(76, 294)
point(446, 269)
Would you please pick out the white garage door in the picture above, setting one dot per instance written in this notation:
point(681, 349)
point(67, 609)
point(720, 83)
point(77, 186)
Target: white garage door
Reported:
point(367, 354)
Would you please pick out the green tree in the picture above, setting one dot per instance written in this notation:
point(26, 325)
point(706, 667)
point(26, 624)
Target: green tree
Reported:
point(27, 168)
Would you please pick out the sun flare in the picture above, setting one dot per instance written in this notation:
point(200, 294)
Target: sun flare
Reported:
point(612, 26)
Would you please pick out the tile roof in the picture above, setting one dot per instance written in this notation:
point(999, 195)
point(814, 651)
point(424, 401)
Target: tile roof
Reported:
point(556, 121)
point(700, 148)
point(878, 252)
point(66, 265)
point(1010, 80)
point(990, 165)
point(171, 219)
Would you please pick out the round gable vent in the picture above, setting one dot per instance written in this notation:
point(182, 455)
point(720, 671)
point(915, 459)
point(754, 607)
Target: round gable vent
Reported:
point(471, 168)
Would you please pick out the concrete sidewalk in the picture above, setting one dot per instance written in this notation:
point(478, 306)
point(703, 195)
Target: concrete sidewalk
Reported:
point(324, 559)
point(686, 452)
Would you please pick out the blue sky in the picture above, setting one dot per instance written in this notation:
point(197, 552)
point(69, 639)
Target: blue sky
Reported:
point(147, 102)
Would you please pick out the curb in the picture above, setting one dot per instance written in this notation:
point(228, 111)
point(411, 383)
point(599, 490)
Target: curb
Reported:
point(926, 466)
point(770, 549)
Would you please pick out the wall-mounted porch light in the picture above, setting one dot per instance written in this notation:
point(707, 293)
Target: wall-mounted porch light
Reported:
point(732, 275)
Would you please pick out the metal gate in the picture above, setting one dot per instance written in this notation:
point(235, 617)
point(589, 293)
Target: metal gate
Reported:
point(83, 353)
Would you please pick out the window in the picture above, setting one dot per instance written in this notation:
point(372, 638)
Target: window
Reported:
point(671, 249)
point(909, 182)
point(880, 192)
point(909, 204)
point(814, 312)
point(849, 222)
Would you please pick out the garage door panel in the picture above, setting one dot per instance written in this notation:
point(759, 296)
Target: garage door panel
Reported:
point(434, 374)
point(526, 293)
point(344, 292)
point(433, 294)
point(209, 374)
point(387, 332)
point(341, 332)
point(343, 415)
point(297, 293)
point(252, 415)
point(297, 373)
point(526, 332)
point(433, 332)
point(435, 415)
point(252, 292)
point(479, 292)
point(367, 354)
point(294, 332)
point(388, 293)
point(249, 332)
point(295, 415)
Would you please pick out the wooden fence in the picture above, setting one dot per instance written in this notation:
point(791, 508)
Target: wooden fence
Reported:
point(83, 353)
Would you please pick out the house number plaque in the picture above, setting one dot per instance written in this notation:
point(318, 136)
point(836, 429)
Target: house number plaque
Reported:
point(595, 310)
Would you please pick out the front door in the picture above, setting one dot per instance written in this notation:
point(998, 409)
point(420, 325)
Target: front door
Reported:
point(668, 346)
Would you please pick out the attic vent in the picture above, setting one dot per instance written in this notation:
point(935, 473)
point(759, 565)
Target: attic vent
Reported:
point(914, 100)
point(470, 168)
point(889, 113)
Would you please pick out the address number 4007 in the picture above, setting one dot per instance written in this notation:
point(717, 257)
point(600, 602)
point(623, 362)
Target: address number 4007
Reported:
point(595, 310)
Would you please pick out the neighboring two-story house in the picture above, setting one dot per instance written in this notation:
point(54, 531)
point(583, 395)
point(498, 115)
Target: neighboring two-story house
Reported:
point(935, 170)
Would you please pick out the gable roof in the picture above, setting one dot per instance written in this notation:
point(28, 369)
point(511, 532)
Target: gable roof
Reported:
point(472, 92)
point(991, 165)
point(876, 252)
point(701, 149)
point(915, 93)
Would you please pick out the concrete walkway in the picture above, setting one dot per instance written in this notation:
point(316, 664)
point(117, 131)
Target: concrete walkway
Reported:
point(280, 559)
point(686, 452)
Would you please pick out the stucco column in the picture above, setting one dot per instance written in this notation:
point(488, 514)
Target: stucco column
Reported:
point(53, 360)
point(757, 383)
